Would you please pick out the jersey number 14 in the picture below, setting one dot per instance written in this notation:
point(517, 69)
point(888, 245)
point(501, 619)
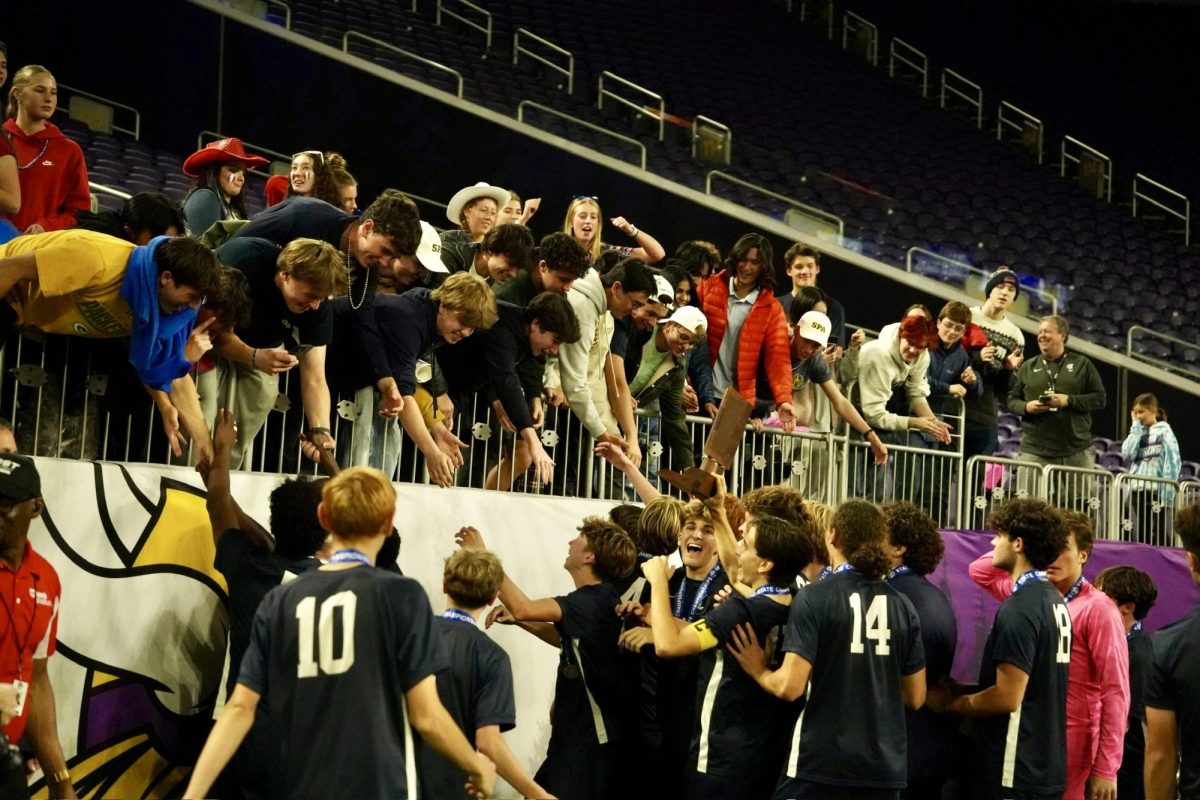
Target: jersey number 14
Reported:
point(876, 626)
point(343, 603)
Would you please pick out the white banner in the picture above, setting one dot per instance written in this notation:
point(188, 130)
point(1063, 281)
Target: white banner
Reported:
point(142, 628)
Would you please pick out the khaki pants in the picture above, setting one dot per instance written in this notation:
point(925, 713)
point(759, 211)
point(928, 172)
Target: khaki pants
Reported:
point(248, 392)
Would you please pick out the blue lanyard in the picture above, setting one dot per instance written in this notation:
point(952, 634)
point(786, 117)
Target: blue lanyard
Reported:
point(1137, 628)
point(825, 573)
point(903, 569)
point(458, 616)
point(351, 556)
point(843, 568)
point(1031, 575)
point(701, 593)
point(769, 589)
point(1074, 591)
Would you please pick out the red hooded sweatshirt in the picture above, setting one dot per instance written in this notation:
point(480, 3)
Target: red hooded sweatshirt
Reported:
point(54, 181)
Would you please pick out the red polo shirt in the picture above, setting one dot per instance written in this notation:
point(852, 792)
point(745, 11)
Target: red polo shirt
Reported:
point(28, 622)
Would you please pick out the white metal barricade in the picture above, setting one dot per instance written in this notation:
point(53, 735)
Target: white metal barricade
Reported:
point(1087, 490)
point(990, 481)
point(1143, 510)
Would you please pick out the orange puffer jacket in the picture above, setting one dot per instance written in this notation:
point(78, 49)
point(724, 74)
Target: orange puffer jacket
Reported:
point(764, 337)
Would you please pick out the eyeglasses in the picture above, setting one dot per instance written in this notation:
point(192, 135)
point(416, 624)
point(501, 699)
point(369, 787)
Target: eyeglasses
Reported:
point(580, 197)
point(317, 154)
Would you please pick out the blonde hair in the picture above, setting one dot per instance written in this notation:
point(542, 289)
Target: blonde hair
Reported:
point(595, 246)
point(338, 169)
point(359, 503)
point(659, 525)
point(314, 262)
point(23, 77)
point(822, 515)
point(468, 296)
point(473, 578)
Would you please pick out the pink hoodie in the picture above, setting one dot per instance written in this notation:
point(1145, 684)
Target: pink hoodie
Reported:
point(1098, 679)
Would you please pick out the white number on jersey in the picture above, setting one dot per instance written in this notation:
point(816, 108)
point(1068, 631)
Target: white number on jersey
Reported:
point(347, 603)
point(876, 625)
point(1063, 618)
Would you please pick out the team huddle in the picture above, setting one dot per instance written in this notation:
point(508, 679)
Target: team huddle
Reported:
point(796, 651)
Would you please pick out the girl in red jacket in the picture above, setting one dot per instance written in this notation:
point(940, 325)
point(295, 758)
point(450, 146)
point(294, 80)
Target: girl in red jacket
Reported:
point(53, 176)
point(746, 326)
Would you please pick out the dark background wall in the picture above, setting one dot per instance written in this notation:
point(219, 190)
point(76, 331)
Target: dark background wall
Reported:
point(162, 58)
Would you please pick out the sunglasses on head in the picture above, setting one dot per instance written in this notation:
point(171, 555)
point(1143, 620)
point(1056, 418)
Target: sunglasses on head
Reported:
point(317, 154)
point(592, 198)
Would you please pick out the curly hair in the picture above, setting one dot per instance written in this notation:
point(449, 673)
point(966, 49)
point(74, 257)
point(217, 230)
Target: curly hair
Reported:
point(294, 524)
point(1125, 584)
point(324, 185)
point(562, 253)
point(912, 528)
point(1038, 525)
point(788, 504)
point(554, 314)
point(861, 534)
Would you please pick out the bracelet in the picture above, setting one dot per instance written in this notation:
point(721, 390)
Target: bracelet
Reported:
point(865, 434)
point(62, 776)
point(320, 430)
point(635, 231)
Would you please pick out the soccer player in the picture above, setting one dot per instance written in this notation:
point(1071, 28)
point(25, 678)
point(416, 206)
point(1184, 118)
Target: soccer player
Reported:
point(1134, 593)
point(1020, 733)
point(590, 721)
point(349, 652)
point(860, 642)
point(915, 548)
point(1172, 692)
point(740, 739)
point(1098, 691)
point(477, 690)
point(691, 591)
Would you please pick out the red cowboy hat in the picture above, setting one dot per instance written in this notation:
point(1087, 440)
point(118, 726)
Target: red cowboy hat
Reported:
point(224, 151)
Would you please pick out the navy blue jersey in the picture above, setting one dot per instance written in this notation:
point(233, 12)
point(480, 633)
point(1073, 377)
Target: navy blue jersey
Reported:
point(861, 638)
point(477, 690)
point(741, 731)
point(250, 572)
point(332, 653)
point(933, 739)
point(1130, 785)
point(1174, 685)
point(1027, 749)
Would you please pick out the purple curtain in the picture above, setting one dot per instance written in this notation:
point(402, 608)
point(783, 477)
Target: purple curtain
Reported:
point(1177, 593)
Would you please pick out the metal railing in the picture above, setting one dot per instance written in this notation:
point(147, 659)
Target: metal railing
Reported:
point(1088, 490)
point(1049, 297)
point(701, 124)
point(484, 27)
point(1144, 510)
point(860, 29)
point(954, 84)
point(135, 131)
point(824, 219)
point(407, 54)
point(659, 112)
point(1184, 216)
point(903, 53)
point(1010, 117)
point(567, 72)
point(1092, 154)
point(105, 190)
point(990, 481)
point(524, 104)
point(75, 398)
point(1172, 366)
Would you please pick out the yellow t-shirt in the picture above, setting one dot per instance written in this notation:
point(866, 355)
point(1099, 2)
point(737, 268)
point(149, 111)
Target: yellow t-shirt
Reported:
point(78, 290)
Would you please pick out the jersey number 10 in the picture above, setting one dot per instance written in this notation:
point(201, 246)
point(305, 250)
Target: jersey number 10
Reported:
point(876, 625)
point(344, 602)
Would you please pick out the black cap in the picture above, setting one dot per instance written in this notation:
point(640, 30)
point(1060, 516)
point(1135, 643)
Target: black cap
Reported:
point(19, 480)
